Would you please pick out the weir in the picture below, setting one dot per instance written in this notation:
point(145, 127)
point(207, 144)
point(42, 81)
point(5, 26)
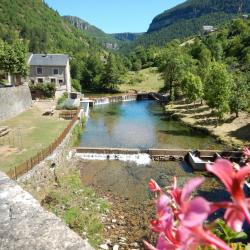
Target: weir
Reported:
point(154, 154)
point(129, 97)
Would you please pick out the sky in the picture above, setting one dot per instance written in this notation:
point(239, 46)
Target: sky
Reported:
point(114, 16)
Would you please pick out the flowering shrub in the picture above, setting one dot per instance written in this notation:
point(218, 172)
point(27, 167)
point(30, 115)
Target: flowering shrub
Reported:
point(181, 220)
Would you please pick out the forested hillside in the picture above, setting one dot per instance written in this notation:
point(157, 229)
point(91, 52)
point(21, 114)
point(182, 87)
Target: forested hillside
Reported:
point(188, 18)
point(214, 68)
point(42, 27)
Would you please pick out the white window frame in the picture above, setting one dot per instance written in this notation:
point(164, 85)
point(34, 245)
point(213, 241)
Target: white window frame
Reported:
point(37, 70)
point(57, 71)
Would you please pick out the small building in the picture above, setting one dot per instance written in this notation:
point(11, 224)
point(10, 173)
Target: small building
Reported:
point(208, 29)
point(245, 16)
point(50, 68)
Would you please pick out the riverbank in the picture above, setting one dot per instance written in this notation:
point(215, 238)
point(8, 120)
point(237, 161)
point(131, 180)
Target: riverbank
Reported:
point(234, 132)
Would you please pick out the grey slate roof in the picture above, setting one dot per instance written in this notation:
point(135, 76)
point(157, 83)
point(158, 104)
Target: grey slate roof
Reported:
point(48, 60)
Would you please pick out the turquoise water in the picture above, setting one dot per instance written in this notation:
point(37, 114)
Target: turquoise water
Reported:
point(140, 124)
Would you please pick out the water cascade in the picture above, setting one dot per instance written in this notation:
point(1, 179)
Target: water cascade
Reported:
point(101, 101)
point(139, 159)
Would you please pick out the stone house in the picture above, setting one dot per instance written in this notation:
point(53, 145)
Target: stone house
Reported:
point(50, 68)
point(208, 29)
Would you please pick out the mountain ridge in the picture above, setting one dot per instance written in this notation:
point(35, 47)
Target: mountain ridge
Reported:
point(187, 19)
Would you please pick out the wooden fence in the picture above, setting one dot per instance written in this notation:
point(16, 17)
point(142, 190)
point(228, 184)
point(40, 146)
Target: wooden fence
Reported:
point(23, 168)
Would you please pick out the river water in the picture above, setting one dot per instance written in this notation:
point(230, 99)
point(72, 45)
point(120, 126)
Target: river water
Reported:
point(138, 124)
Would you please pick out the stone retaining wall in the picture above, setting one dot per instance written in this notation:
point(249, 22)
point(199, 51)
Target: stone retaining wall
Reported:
point(26, 225)
point(14, 100)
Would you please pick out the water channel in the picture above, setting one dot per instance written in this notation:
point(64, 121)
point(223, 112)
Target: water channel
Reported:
point(139, 124)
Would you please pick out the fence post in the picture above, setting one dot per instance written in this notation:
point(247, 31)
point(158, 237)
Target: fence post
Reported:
point(15, 176)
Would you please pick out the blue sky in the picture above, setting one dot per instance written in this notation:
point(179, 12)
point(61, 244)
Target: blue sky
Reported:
point(114, 16)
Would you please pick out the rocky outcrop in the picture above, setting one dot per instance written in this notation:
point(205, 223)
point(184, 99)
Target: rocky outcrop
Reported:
point(26, 225)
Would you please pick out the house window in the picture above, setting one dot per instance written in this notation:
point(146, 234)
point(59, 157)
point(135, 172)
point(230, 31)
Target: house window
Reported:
point(53, 80)
point(56, 71)
point(40, 80)
point(61, 82)
point(39, 70)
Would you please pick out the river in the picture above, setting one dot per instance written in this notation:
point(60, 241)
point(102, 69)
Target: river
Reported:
point(138, 124)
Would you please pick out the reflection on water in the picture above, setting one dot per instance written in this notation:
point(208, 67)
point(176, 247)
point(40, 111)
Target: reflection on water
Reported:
point(140, 124)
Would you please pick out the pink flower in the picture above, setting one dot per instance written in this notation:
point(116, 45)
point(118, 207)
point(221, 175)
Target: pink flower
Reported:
point(187, 232)
point(246, 152)
point(237, 210)
point(181, 196)
point(153, 186)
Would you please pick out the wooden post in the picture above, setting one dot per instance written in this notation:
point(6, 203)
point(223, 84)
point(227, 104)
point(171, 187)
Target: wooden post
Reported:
point(15, 176)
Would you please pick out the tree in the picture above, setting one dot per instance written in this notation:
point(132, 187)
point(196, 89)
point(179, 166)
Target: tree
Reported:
point(174, 63)
point(13, 57)
point(192, 87)
point(92, 73)
point(217, 88)
point(111, 75)
point(239, 94)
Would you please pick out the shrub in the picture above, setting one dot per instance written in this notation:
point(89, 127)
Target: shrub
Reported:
point(62, 99)
point(43, 90)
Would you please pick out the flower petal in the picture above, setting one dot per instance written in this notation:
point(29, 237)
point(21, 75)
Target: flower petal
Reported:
point(234, 219)
point(195, 213)
point(164, 244)
point(162, 203)
point(153, 186)
point(190, 186)
point(223, 169)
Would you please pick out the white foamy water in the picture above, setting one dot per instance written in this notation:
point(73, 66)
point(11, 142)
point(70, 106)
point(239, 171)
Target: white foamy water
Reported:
point(101, 101)
point(139, 159)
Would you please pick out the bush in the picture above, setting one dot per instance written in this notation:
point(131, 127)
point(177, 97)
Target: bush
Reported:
point(76, 85)
point(43, 90)
point(62, 99)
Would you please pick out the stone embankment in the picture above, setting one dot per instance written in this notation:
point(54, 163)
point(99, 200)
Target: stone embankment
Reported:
point(26, 225)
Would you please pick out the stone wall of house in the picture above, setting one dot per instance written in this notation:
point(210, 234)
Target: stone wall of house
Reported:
point(13, 101)
point(26, 225)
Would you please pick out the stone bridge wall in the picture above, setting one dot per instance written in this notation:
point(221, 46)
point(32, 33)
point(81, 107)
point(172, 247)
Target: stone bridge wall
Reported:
point(13, 101)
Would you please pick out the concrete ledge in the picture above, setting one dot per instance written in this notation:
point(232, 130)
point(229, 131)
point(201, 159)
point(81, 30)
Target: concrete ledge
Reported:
point(127, 151)
point(151, 151)
point(26, 225)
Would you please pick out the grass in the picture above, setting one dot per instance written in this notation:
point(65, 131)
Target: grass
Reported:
point(76, 133)
point(148, 80)
point(78, 206)
point(30, 132)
